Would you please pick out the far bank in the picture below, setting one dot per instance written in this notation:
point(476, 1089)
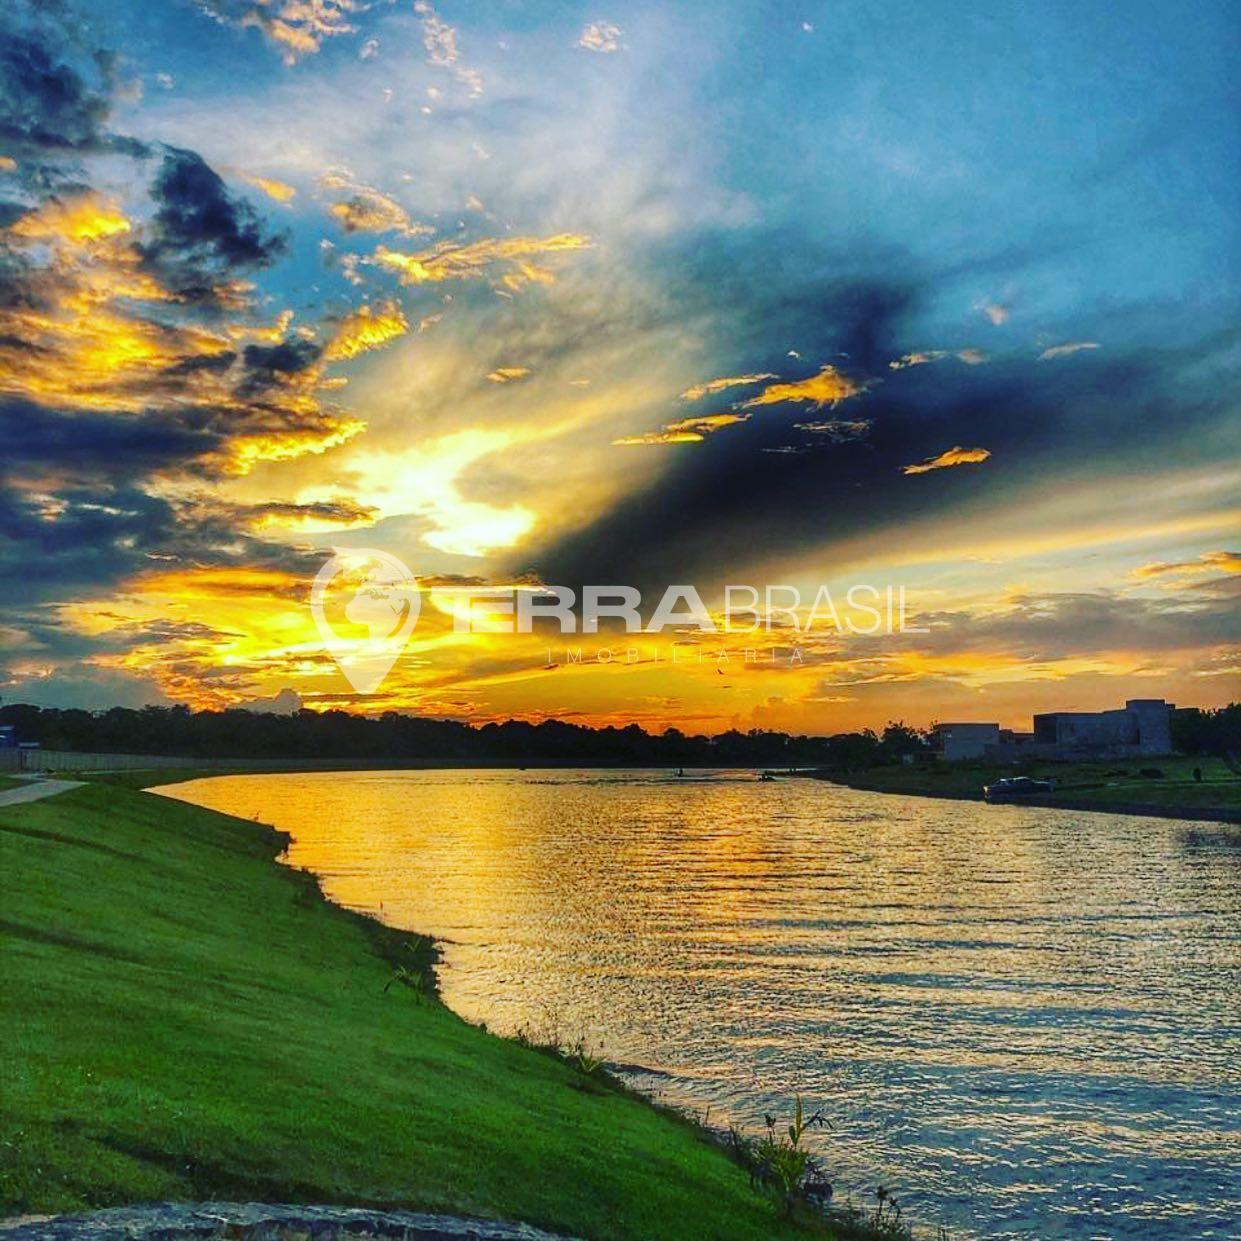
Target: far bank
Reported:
point(1160, 787)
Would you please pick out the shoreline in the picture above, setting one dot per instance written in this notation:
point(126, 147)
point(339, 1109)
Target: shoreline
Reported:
point(1045, 801)
point(392, 946)
point(1048, 801)
point(349, 1091)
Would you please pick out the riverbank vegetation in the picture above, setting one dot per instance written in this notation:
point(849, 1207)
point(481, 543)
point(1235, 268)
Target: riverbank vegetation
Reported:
point(184, 1019)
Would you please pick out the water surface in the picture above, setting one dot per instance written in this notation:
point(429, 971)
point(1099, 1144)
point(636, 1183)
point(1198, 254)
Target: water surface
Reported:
point(1024, 1021)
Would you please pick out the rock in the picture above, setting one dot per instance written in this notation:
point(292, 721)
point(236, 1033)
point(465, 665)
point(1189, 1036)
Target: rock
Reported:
point(252, 1221)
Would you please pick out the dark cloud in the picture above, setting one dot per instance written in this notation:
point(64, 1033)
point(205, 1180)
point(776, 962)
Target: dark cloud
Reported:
point(742, 493)
point(202, 235)
point(46, 104)
point(54, 98)
point(1051, 626)
point(76, 513)
point(216, 363)
point(19, 284)
point(99, 538)
point(89, 534)
point(94, 445)
point(266, 365)
point(340, 511)
point(1033, 632)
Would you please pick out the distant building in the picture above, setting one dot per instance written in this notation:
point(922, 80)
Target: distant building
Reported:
point(955, 741)
point(1009, 736)
point(10, 755)
point(1143, 726)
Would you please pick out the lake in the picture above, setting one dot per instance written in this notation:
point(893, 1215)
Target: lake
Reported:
point(1025, 1022)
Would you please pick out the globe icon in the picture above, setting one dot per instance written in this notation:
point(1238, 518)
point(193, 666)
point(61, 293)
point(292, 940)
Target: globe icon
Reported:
point(380, 606)
point(384, 601)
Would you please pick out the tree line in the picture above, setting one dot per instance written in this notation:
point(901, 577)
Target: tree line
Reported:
point(1218, 731)
point(394, 736)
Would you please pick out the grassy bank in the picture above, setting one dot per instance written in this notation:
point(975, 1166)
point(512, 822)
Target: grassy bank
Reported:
point(1105, 785)
point(184, 1019)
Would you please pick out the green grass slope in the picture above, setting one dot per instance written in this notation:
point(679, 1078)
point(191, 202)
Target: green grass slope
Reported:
point(184, 1019)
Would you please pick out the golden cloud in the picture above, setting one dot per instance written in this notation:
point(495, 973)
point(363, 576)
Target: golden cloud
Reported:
point(78, 335)
point(508, 374)
point(368, 327)
point(75, 221)
point(660, 437)
point(297, 27)
point(707, 422)
point(97, 330)
point(259, 623)
point(451, 260)
point(1222, 562)
point(278, 191)
point(366, 209)
point(313, 435)
point(684, 430)
point(712, 386)
point(828, 387)
point(369, 211)
point(948, 458)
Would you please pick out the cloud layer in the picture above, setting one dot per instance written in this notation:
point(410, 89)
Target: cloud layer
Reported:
point(535, 300)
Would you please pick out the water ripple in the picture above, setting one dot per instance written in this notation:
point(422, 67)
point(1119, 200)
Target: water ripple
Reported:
point(1025, 1020)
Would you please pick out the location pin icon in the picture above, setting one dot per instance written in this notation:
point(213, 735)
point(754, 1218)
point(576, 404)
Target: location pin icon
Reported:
point(381, 597)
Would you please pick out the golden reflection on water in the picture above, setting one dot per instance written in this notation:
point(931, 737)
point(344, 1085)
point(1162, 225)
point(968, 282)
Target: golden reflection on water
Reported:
point(1026, 1019)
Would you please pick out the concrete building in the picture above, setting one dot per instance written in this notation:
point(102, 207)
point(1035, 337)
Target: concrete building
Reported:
point(955, 741)
point(1142, 726)
point(1010, 736)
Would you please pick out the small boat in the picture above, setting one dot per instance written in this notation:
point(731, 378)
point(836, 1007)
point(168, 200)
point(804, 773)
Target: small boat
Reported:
point(766, 777)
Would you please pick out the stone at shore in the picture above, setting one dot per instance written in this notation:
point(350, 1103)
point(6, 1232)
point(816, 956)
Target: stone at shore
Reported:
point(252, 1221)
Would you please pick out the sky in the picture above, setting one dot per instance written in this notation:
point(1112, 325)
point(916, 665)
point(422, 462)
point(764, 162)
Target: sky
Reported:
point(883, 293)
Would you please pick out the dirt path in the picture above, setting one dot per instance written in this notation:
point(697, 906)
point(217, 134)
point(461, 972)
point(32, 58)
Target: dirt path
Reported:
point(250, 1221)
point(36, 789)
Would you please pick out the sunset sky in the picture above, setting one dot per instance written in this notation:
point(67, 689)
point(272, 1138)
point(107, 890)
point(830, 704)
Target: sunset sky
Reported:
point(887, 293)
